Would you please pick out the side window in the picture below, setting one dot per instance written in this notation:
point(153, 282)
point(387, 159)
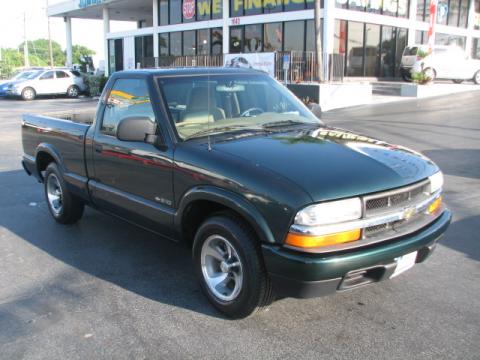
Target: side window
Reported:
point(61, 74)
point(47, 76)
point(127, 98)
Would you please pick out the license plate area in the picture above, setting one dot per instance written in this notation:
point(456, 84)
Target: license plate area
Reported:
point(404, 263)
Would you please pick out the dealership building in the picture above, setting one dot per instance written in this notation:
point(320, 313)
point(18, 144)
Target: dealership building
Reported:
point(367, 35)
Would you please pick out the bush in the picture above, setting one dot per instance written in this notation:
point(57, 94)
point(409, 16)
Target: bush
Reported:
point(95, 84)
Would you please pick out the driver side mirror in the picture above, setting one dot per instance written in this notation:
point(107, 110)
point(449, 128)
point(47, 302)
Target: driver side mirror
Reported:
point(140, 129)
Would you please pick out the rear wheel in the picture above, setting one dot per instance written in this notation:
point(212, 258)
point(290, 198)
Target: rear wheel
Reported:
point(73, 91)
point(28, 94)
point(406, 77)
point(230, 267)
point(63, 205)
point(476, 77)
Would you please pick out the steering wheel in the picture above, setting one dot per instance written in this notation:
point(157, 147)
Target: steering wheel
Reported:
point(254, 111)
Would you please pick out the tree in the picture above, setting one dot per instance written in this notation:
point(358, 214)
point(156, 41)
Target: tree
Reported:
point(39, 49)
point(79, 51)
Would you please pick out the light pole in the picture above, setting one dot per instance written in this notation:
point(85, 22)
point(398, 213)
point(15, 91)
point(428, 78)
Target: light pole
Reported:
point(50, 49)
point(318, 40)
point(25, 42)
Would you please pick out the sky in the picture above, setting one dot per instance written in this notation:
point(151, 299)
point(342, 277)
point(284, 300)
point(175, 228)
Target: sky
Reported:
point(84, 32)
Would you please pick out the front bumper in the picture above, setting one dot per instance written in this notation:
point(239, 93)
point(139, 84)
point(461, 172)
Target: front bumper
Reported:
point(304, 275)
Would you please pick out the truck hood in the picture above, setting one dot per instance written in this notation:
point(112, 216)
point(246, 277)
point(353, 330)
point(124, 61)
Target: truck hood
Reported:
point(331, 163)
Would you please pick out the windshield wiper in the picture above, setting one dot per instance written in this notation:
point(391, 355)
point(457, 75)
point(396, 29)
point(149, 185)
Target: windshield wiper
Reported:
point(273, 124)
point(220, 130)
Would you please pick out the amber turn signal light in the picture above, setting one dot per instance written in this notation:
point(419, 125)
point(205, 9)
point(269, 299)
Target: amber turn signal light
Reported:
point(308, 241)
point(435, 206)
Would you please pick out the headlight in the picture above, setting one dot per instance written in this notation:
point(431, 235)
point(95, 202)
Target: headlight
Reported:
point(330, 212)
point(436, 182)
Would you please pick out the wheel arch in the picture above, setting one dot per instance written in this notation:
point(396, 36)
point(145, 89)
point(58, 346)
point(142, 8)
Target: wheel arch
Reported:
point(44, 155)
point(201, 202)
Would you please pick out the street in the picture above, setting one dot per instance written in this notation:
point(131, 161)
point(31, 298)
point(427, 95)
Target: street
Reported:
point(105, 289)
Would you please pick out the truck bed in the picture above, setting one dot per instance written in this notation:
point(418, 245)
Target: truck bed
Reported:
point(63, 131)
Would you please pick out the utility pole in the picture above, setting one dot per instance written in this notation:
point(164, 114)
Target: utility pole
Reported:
point(318, 40)
point(50, 49)
point(25, 42)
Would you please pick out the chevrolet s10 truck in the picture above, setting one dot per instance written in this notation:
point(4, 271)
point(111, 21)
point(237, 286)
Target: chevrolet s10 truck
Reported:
point(228, 161)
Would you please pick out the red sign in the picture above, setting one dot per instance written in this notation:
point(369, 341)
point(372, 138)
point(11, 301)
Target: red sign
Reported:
point(433, 21)
point(188, 9)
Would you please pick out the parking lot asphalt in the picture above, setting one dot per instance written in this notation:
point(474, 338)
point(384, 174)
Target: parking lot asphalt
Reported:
point(105, 289)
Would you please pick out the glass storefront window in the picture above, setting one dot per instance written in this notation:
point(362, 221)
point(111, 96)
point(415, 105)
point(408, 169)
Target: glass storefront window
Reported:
point(236, 8)
point(340, 37)
point(372, 47)
point(476, 48)
point(421, 10)
point(309, 36)
point(390, 7)
point(358, 5)
point(253, 38)
point(355, 49)
point(217, 9)
point(387, 52)
point(402, 39)
point(293, 5)
point(175, 11)
point(217, 41)
point(463, 17)
point(203, 42)
point(453, 12)
point(163, 44)
point(273, 37)
point(272, 6)
point(294, 35)
point(176, 43)
point(403, 8)
point(252, 7)
point(163, 12)
point(203, 10)
point(236, 39)
point(144, 52)
point(189, 46)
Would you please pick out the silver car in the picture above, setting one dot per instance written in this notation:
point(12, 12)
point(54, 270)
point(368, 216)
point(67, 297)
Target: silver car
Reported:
point(47, 82)
point(444, 62)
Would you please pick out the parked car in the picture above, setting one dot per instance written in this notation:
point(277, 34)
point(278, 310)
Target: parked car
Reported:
point(4, 84)
point(229, 162)
point(48, 82)
point(444, 62)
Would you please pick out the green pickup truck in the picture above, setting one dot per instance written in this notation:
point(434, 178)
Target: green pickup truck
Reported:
point(270, 200)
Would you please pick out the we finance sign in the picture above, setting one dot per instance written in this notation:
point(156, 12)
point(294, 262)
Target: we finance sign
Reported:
point(86, 3)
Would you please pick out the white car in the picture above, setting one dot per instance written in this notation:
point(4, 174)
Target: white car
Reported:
point(48, 82)
point(444, 62)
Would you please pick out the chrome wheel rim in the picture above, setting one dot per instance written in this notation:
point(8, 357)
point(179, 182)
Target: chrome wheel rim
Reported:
point(54, 194)
point(73, 92)
point(221, 268)
point(28, 94)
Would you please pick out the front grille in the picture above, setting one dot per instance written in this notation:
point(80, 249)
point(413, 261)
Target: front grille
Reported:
point(389, 201)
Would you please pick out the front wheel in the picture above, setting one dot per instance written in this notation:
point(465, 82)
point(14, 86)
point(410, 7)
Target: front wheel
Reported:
point(73, 91)
point(430, 74)
point(476, 78)
point(28, 94)
point(63, 205)
point(230, 267)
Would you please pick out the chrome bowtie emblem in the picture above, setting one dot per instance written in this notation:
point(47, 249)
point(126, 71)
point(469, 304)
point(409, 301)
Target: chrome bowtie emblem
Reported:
point(408, 213)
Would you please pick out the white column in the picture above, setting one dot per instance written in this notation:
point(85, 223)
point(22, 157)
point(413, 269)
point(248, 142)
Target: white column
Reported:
point(68, 31)
point(106, 30)
point(226, 27)
point(156, 50)
point(328, 36)
point(471, 27)
point(412, 19)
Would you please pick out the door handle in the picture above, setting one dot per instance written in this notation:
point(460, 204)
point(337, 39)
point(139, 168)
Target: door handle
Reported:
point(98, 148)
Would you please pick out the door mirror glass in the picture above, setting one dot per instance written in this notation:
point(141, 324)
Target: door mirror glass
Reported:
point(140, 129)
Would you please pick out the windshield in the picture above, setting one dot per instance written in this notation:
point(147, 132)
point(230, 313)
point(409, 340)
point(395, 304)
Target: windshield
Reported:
point(203, 105)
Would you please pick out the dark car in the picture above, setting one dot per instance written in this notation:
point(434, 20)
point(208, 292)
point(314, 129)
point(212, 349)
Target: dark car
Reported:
point(229, 162)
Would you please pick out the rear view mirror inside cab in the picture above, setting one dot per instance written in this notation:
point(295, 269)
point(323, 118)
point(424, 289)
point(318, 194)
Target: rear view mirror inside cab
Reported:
point(232, 88)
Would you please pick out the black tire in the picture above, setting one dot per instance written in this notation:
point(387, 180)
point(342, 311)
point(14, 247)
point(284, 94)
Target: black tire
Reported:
point(457, 81)
point(256, 291)
point(73, 91)
point(71, 207)
point(29, 94)
point(406, 78)
point(476, 78)
point(432, 72)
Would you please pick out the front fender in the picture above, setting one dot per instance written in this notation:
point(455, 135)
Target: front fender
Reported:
point(230, 200)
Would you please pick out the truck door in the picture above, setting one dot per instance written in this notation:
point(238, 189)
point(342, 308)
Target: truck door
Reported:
point(132, 180)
